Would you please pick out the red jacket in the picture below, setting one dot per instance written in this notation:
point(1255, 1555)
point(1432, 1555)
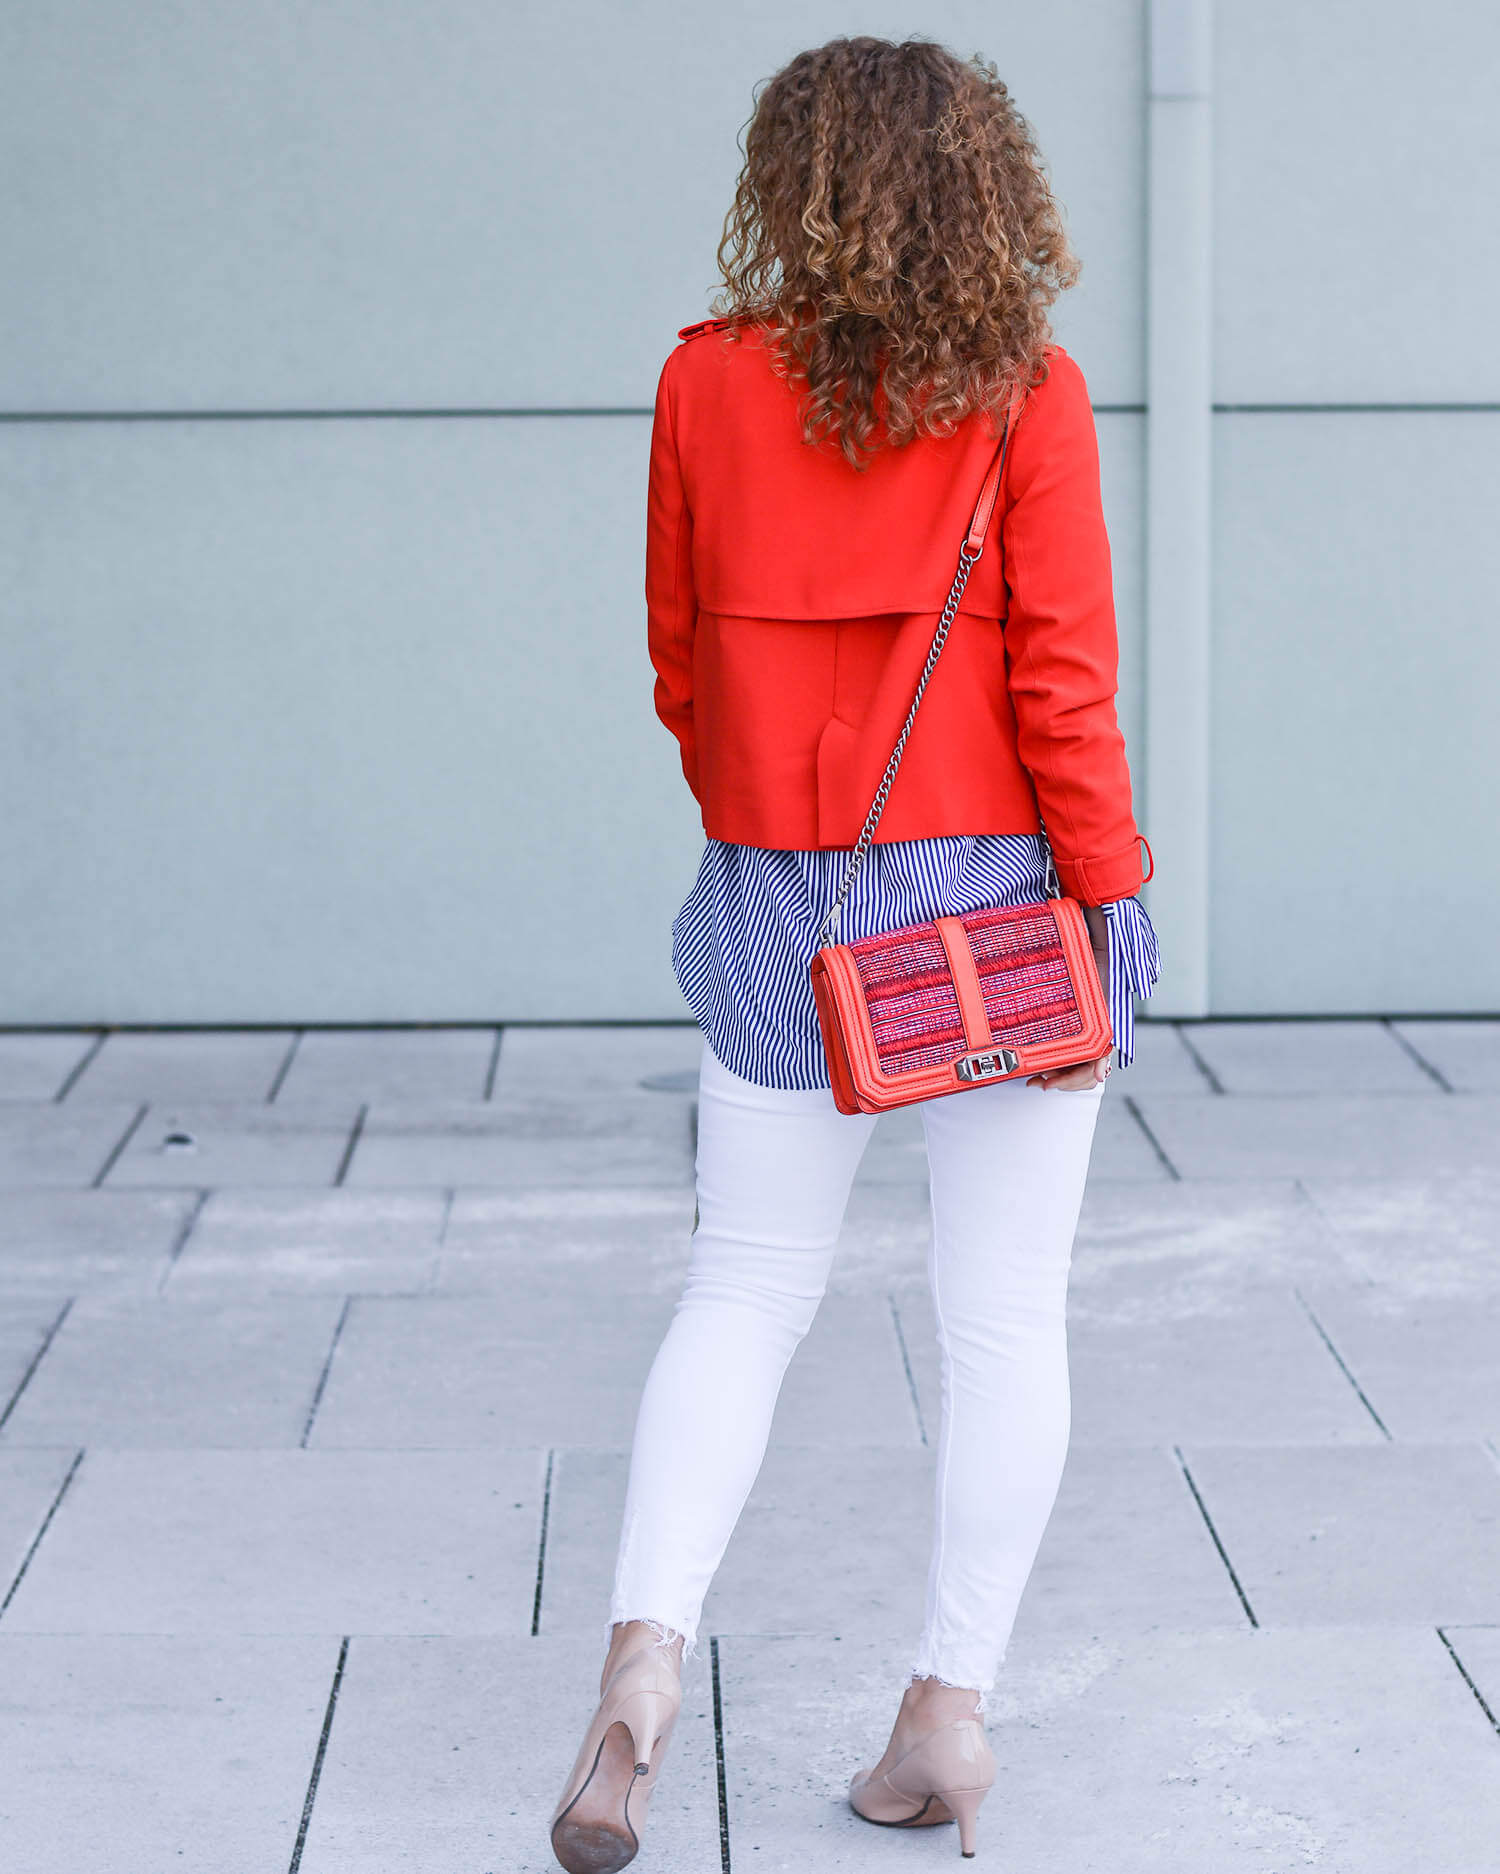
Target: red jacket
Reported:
point(791, 601)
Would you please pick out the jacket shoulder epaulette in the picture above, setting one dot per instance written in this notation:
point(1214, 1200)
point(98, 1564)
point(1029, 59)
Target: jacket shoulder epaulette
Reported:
point(703, 325)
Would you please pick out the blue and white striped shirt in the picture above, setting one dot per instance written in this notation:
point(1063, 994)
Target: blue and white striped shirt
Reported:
point(742, 942)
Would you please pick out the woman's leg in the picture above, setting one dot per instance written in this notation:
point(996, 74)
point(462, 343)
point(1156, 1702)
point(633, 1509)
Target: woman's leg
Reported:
point(1008, 1165)
point(774, 1170)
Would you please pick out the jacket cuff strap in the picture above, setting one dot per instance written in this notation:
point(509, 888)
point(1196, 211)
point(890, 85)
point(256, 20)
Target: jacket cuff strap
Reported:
point(1116, 874)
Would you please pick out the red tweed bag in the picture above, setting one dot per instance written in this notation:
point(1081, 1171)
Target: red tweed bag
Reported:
point(959, 1002)
point(933, 1008)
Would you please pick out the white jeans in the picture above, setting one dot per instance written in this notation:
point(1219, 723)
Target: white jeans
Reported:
point(1007, 1165)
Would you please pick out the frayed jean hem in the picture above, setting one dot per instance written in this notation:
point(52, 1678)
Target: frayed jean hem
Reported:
point(958, 1677)
point(664, 1631)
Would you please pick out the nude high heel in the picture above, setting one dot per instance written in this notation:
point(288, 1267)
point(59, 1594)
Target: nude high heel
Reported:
point(944, 1778)
point(596, 1829)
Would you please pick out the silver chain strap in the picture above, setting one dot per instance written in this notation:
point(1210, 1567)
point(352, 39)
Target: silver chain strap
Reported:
point(966, 558)
point(866, 839)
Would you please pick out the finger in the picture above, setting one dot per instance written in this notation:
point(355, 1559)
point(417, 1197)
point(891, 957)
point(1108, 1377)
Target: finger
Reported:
point(1072, 1079)
point(1080, 1075)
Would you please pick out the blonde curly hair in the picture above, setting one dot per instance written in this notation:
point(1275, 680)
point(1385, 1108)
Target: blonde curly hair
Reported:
point(894, 235)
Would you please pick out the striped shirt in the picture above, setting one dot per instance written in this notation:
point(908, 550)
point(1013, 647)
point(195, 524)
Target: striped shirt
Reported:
point(742, 942)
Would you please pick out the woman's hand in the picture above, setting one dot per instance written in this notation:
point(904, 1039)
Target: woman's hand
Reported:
point(1085, 1074)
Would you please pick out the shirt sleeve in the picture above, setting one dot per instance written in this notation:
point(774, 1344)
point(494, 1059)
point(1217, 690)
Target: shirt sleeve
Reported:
point(671, 602)
point(1134, 967)
point(1062, 650)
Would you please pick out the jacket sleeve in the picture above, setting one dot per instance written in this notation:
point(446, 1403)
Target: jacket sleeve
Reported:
point(1062, 652)
point(671, 603)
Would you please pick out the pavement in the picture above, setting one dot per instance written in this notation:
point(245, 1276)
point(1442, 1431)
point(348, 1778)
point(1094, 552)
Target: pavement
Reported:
point(319, 1357)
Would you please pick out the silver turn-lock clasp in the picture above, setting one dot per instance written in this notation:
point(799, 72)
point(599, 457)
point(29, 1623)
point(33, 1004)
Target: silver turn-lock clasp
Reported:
point(987, 1066)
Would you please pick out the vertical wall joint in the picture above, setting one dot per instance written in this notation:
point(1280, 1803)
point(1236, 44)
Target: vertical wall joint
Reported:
point(1179, 512)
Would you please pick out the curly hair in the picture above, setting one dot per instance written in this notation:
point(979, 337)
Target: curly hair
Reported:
point(894, 236)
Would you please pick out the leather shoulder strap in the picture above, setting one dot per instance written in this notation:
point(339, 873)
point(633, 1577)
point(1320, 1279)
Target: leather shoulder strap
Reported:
point(989, 493)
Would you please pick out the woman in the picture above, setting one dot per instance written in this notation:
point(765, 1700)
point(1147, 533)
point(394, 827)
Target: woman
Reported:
point(816, 453)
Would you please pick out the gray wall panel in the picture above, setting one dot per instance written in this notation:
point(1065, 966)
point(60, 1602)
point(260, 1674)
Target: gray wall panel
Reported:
point(1357, 147)
point(346, 721)
point(1356, 662)
point(331, 720)
point(1122, 441)
point(458, 205)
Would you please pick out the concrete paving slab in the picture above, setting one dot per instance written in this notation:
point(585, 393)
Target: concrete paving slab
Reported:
point(1197, 1248)
point(1142, 1252)
point(1478, 1650)
point(1388, 1535)
point(1125, 1546)
point(1417, 1236)
point(1126, 1549)
point(1430, 1367)
point(481, 1371)
point(884, 1239)
point(801, 1715)
point(633, 1237)
point(1130, 1755)
point(1377, 1135)
point(598, 1063)
point(1122, 1150)
point(584, 1512)
point(47, 1145)
point(102, 1242)
point(231, 1142)
point(537, 1281)
point(1307, 1057)
point(1163, 1062)
point(367, 1064)
point(149, 1373)
point(312, 1542)
point(124, 1751)
point(469, 1776)
point(847, 1383)
point(1108, 1288)
point(1266, 1229)
point(1258, 1375)
point(1268, 1750)
point(897, 1152)
point(185, 1068)
point(1262, 1376)
point(36, 1066)
point(541, 1140)
point(25, 1326)
point(1465, 1053)
point(29, 1483)
point(564, 1363)
point(249, 1242)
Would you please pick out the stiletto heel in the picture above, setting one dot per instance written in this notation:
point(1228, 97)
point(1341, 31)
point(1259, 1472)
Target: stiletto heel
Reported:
point(944, 1777)
point(596, 1829)
point(965, 1806)
point(647, 1715)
